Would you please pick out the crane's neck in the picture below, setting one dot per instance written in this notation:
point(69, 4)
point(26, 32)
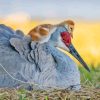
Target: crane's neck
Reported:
point(57, 54)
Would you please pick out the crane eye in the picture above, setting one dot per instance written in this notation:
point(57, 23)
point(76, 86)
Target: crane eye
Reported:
point(71, 28)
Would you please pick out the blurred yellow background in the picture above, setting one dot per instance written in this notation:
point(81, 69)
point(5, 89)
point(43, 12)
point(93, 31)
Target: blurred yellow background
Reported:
point(86, 14)
point(86, 36)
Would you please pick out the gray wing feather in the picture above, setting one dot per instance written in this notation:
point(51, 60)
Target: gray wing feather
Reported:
point(12, 46)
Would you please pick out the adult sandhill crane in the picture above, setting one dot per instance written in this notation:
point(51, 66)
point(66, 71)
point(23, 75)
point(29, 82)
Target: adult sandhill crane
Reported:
point(39, 61)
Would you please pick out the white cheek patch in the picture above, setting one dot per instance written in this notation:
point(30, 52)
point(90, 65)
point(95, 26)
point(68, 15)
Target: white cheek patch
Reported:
point(61, 45)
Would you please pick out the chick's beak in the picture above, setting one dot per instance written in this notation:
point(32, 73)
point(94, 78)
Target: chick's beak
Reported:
point(71, 34)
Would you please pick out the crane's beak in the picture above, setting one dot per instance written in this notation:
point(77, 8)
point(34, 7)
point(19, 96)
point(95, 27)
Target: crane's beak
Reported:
point(66, 39)
point(74, 53)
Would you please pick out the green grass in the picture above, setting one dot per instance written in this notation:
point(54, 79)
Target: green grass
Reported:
point(90, 90)
point(90, 78)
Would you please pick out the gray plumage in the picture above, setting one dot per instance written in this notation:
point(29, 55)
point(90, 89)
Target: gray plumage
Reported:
point(29, 61)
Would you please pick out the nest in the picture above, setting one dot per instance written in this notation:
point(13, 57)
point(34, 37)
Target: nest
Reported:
point(86, 93)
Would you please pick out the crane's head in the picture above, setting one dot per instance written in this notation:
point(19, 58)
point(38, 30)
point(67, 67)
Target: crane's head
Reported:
point(61, 38)
point(70, 26)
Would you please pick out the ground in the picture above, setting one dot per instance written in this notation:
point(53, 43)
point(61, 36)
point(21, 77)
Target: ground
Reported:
point(90, 90)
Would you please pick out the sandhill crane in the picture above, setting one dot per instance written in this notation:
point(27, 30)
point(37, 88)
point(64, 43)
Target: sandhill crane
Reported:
point(39, 61)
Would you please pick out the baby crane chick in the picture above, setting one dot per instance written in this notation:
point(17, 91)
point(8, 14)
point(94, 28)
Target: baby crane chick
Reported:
point(43, 32)
point(40, 32)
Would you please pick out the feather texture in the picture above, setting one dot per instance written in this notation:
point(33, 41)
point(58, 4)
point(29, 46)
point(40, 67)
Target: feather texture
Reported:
point(30, 61)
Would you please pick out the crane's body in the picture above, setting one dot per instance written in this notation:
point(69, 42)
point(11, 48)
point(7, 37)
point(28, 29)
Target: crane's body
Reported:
point(40, 63)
